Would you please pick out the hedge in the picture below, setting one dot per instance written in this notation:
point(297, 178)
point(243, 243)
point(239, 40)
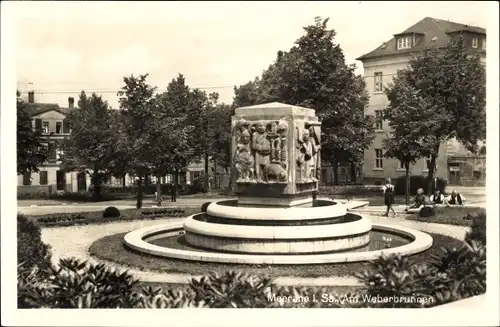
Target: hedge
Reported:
point(416, 182)
point(84, 218)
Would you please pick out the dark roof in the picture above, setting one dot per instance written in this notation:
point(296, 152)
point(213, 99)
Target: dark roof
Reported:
point(39, 108)
point(426, 29)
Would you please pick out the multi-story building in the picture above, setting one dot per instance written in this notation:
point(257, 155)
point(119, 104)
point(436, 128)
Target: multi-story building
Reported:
point(50, 120)
point(454, 163)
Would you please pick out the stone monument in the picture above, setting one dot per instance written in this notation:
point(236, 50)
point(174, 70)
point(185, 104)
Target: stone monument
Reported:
point(276, 154)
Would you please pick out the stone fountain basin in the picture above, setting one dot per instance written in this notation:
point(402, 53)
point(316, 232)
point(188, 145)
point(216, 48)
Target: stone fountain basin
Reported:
point(135, 240)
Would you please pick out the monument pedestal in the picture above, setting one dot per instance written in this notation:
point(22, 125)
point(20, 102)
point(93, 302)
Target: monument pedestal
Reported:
point(277, 155)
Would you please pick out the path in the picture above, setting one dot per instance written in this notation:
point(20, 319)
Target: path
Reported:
point(81, 237)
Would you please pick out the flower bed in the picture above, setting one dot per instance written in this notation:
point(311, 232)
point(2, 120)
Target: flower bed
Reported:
point(95, 217)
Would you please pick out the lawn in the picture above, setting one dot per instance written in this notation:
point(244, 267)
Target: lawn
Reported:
point(111, 248)
point(449, 216)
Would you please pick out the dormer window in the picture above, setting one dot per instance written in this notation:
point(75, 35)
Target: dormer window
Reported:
point(475, 42)
point(404, 42)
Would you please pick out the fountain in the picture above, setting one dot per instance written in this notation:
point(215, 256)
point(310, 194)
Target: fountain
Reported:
point(276, 218)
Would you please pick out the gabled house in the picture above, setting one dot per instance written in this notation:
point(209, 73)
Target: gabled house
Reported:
point(382, 64)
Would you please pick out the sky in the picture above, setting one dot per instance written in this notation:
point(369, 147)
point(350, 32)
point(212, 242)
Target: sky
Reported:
point(65, 47)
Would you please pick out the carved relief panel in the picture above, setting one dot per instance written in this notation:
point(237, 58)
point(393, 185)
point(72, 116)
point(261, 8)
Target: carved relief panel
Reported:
point(261, 154)
point(308, 161)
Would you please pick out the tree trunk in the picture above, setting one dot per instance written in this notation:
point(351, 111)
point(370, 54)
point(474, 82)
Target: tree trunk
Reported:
point(205, 186)
point(432, 168)
point(139, 193)
point(124, 181)
point(158, 191)
point(353, 173)
point(335, 165)
point(407, 183)
point(96, 182)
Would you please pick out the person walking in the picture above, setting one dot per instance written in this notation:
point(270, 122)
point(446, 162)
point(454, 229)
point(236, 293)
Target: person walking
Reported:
point(388, 189)
point(173, 192)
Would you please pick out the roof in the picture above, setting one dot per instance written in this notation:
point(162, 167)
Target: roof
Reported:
point(39, 108)
point(427, 29)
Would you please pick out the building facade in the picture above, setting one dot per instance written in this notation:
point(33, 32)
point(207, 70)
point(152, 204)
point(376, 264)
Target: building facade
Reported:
point(380, 67)
point(50, 120)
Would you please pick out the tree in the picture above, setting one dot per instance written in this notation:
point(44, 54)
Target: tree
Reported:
point(138, 128)
point(313, 74)
point(453, 83)
point(90, 146)
point(405, 142)
point(172, 148)
point(219, 120)
point(31, 154)
point(247, 94)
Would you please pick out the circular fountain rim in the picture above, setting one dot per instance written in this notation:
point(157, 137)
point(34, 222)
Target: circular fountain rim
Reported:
point(135, 241)
point(336, 209)
point(362, 225)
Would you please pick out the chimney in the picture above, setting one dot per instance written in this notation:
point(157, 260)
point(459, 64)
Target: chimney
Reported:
point(71, 102)
point(31, 97)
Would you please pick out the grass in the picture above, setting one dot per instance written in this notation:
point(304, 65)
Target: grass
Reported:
point(449, 216)
point(111, 248)
point(95, 217)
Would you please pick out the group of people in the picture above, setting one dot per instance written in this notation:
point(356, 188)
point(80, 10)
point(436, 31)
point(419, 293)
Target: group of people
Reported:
point(420, 199)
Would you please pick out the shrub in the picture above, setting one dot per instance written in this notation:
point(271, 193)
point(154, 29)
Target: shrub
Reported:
point(478, 228)
point(31, 251)
point(427, 212)
point(204, 206)
point(416, 182)
point(171, 212)
point(111, 212)
point(76, 284)
point(455, 274)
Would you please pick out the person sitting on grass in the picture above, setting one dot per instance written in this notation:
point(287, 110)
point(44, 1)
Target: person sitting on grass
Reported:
point(418, 201)
point(437, 197)
point(454, 198)
point(388, 189)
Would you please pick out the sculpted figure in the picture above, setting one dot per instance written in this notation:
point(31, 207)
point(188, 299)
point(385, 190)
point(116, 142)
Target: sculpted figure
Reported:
point(243, 159)
point(275, 173)
point(262, 148)
point(306, 156)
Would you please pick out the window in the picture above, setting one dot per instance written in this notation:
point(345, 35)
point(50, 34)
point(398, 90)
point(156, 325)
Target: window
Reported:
point(399, 73)
point(59, 154)
point(404, 43)
point(378, 82)
point(379, 159)
point(475, 42)
point(59, 127)
point(43, 177)
point(27, 178)
point(379, 120)
point(484, 44)
point(45, 127)
point(401, 165)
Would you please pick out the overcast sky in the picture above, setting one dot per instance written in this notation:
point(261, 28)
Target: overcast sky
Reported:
point(64, 47)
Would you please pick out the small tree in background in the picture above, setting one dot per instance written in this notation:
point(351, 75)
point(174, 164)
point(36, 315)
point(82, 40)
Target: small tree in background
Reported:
point(138, 128)
point(405, 142)
point(91, 145)
point(452, 81)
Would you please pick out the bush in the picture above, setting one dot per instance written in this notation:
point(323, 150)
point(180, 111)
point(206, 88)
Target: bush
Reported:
point(171, 212)
point(427, 212)
point(204, 206)
point(31, 251)
point(478, 228)
point(76, 284)
point(455, 274)
point(111, 212)
point(416, 182)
